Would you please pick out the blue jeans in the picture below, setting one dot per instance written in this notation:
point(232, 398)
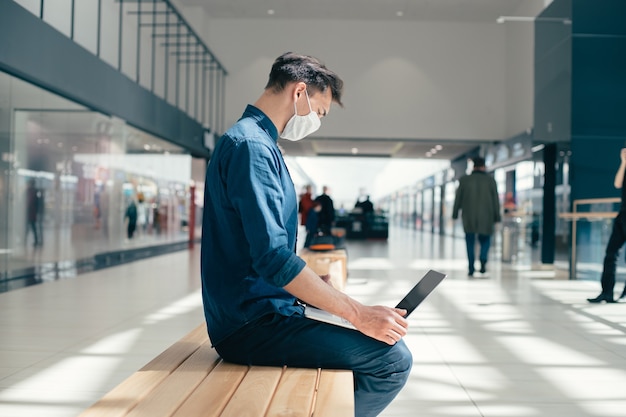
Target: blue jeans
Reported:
point(380, 371)
point(485, 243)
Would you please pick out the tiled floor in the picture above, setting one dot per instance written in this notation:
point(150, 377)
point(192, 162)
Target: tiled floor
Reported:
point(517, 342)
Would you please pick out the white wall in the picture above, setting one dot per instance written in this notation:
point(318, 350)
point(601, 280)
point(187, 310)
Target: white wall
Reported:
point(520, 80)
point(415, 80)
point(442, 80)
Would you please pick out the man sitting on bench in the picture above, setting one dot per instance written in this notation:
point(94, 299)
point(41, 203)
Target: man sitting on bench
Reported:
point(252, 280)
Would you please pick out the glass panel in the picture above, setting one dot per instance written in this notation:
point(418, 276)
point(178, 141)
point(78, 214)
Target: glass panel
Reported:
point(592, 237)
point(419, 207)
point(436, 209)
point(5, 171)
point(453, 228)
point(427, 218)
point(68, 178)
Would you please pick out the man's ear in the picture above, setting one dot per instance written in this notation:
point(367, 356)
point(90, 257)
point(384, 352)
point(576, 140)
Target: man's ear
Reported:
point(299, 88)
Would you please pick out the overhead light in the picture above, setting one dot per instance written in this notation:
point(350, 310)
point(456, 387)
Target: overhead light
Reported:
point(271, 12)
point(439, 147)
point(537, 148)
point(399, 13)
point(428, 154)
point(503, 19)
point(354, 151)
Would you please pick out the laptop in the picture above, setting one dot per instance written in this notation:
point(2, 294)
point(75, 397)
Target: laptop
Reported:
point(409, 303)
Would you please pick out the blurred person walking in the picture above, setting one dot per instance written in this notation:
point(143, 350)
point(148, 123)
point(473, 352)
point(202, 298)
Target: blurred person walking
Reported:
point(477, 198)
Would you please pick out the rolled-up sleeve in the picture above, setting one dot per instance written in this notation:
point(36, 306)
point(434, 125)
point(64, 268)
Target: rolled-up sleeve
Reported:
point(256, 184)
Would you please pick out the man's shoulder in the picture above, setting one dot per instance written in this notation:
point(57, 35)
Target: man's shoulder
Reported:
point(242, 135)
point(245, 129)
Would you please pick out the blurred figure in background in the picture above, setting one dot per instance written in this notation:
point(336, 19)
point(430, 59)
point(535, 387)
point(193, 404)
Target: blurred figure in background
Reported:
point(33, 211)
point(306, 203)
point(477, 198)
point(327, 214)
point(312, 223)
point(131, 219)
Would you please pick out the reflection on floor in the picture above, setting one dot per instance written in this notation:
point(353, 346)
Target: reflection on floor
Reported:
point(514, 342)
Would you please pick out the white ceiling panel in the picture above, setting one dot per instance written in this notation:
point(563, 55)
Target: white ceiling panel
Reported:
point(438, 10)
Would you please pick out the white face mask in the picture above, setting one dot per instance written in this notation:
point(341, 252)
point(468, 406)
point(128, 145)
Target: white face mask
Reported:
point(299, 127)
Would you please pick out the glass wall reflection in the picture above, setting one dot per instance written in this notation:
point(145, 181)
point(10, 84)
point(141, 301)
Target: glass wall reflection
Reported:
point(75, 183)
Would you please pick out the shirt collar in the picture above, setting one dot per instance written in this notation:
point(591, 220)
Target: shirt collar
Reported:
point(262, 120)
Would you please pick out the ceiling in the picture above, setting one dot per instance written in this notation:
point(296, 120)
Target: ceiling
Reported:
point(400, 10)
point(385, 148)
point(433, 10)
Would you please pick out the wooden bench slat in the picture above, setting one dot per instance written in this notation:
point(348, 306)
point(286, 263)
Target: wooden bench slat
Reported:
point(255, 392)
point(165, 399)
point(335, 396)
point(294, 394)
point(214, 392)
point(189, 379)
point(122, 398)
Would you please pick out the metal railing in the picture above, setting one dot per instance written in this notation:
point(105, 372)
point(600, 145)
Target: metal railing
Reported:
point(198, 77)
point(577, 215)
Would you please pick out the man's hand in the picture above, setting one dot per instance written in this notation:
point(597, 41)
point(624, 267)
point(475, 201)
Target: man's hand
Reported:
point(385, 324)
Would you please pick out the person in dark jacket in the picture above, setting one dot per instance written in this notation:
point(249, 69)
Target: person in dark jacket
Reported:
point(616, 241)
point(326, 217)
point(312, 222)
point(477, 198)
point(131, 215)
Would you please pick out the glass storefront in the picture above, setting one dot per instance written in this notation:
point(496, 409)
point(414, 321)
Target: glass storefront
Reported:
point(75, 183)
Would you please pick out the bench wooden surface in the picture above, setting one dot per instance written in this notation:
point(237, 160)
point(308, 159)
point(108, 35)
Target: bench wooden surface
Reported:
point(189, 379)
point(333, 262)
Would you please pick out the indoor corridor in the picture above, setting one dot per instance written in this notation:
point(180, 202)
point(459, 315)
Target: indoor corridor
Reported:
point(514, 342)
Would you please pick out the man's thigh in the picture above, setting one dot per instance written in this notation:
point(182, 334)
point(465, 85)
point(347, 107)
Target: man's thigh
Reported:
point(301, 342)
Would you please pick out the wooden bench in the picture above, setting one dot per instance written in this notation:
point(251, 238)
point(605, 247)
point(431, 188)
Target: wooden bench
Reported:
point(333, 262)
point(189, 379)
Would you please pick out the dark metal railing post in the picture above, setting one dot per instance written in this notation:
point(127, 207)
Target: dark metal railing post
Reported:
point(138, 52)
point(204, 106)
point(211, 100)
point(99, 28)
point(152, 58)
point(167, 54)
point(187, 70)
point(222, 106)
point(195, 81)
point(119, 37)
point(177, 63)
point(72, 21)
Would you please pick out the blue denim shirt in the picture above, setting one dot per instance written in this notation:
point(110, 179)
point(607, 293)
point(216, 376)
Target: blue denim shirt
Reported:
point(249, 228)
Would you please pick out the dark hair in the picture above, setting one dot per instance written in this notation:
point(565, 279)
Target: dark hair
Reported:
point(292, 67)
point(479, 162)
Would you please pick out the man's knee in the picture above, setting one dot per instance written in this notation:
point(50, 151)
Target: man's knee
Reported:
point(407, 358)
point(400, 360)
